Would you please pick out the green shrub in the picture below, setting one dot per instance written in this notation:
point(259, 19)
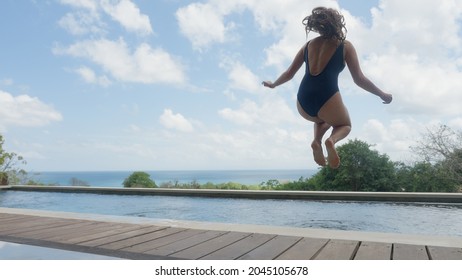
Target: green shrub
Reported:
point(139, 180)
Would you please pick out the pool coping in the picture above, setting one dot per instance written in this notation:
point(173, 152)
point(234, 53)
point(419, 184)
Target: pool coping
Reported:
point(432, 240)
point(256, 194)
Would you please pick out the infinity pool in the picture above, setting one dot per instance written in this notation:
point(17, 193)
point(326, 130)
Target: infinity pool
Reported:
point(407, 218)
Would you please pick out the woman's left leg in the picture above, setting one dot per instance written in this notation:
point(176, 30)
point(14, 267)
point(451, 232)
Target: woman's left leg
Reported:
point(336, 114)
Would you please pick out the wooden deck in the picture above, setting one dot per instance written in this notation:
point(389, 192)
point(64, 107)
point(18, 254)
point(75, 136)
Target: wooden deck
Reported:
point(143, 241)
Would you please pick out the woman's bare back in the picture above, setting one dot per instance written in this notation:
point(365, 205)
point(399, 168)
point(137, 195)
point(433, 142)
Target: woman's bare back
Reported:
point(320, 51)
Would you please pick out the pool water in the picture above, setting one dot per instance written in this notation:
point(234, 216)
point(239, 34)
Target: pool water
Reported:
point(14, 251)
point(406, 218)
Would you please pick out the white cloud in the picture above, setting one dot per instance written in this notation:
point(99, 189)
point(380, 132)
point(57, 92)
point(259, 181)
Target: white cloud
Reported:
point(456, 123)
point(88, 17)
point(91, 5)
point(271, 111)
point(89, 76)
point(240, 117)
point(24, 110)
point(241, 77)
point(394, 138)
point(265, 130)
point(203, 24)
point(143, 65)
point(81, 23)
point(410, 50)
point(175, 121)
point(417, 28)
point(128, 15)
point(419, 87)
point(140, 64)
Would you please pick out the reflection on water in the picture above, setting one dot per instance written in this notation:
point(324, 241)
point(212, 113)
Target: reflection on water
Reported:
point(408, 218)
point(13, 251)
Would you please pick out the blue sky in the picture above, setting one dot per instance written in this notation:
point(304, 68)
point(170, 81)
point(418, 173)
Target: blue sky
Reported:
point(173, 85)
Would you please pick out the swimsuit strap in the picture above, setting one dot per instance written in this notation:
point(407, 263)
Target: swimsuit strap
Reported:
point(305, 53)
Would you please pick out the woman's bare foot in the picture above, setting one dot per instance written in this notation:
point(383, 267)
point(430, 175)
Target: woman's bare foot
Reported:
point(318, 154)
point(332, 157)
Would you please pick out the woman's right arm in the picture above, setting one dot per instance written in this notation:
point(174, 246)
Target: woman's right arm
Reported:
point(290, 72)
point(351, 58)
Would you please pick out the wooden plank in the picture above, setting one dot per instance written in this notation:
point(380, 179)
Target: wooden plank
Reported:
point(338, 250)
point(4, 219)
point(239, 248)
point(374, 251)
point(183, 244)
point(51, 228)
point(85, 232)
point(17, 216)
point(305, 249)
point(13, 222)
point(22, 227)
point(121, 236)
point(108, 230)
point(200, 250)
point(271, 249)
point(444, 253)
point(11, 218)
point(27, 231)
point(159, 242)
point(6, 216)
point(409, 252)
point(27, 226)
point(136, 240)
point(46, 233)
point(31, 220)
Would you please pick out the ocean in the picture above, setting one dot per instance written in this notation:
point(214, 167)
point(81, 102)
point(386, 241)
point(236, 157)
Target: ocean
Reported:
point(116, 178)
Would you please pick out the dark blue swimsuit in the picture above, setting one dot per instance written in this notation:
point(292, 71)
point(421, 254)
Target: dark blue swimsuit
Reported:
point(314, 91)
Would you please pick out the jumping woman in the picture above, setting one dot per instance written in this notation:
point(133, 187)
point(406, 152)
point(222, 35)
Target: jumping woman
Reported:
point(318, 98)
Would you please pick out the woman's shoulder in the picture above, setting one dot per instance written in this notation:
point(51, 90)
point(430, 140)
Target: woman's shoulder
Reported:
point(348, 46)
point(347, 43)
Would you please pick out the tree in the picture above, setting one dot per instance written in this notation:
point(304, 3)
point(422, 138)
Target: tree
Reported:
point(10, 170)
point(361, 169)
point(423, 177)
point(442, 147)
point(139, 180)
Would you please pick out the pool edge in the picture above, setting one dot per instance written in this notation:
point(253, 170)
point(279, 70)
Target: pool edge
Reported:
point(260, 194)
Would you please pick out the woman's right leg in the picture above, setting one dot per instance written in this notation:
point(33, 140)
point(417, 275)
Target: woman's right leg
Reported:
point(320, 128)
point(335, 114)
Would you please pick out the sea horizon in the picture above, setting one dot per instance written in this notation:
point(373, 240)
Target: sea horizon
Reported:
point(116, 178)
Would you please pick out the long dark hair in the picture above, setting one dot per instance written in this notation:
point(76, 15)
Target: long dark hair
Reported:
point(329, 23)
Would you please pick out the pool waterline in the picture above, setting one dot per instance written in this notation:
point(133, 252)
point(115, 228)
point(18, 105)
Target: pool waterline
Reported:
point(255, 194)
